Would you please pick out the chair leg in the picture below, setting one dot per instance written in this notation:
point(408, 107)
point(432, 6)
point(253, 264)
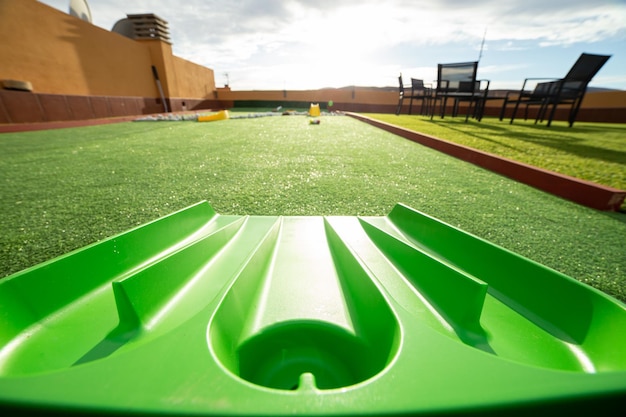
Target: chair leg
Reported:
point(515, 111)
point(574, 111)
point(422, 107)
point(542, 111)
point(455, 108)
point(399, 106)
point(526, 112)
point(469, 110)
point(411, 105)
point(480, 108)
point(428, 102)
point(503, 109)
point(552, 113)
point(432, 109)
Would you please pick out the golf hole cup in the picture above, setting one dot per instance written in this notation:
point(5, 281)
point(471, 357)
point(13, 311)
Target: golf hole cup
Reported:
point(314, 110)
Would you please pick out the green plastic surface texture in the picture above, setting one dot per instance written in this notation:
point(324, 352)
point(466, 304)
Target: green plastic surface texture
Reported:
point(201, 313)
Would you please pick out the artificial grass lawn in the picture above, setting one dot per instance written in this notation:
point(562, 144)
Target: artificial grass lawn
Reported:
point(591, 151)
point(63, 189)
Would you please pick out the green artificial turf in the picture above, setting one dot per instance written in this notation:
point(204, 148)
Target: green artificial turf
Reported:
point(63, 189)
point(591, 151)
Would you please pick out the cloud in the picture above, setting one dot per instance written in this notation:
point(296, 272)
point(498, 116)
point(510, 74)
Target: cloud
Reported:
point(242, 28)
point(594, 23)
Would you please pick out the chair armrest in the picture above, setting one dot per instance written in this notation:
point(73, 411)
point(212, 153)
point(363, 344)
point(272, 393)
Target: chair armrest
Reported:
point(527, 93)
point(537, 79)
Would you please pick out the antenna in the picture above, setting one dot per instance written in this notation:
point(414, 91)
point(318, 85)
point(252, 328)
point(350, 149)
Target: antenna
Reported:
point(80, 9)
point(482, 44)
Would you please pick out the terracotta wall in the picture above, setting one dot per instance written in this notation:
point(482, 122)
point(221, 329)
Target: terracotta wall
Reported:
point(358, 99)
point(25, 107)
point(61, 54)
point(342, 95)
point(179, 78)
point(192, 80)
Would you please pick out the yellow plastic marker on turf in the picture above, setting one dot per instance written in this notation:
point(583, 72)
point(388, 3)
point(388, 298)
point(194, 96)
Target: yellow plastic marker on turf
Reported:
point(220, 115)
point(314, 110)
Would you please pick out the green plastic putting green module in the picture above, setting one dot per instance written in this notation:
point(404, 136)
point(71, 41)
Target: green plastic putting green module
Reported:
point(204, 313)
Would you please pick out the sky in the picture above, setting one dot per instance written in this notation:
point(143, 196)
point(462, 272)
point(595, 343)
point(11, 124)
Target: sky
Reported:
point(304, 44)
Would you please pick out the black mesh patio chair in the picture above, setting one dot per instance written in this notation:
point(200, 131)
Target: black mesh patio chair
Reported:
point(457, 81)
point(551, 93)
point(419, 91)
point(536, 97)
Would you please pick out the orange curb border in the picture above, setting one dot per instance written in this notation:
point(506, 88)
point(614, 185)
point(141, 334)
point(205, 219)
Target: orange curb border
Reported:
point(583, 192)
